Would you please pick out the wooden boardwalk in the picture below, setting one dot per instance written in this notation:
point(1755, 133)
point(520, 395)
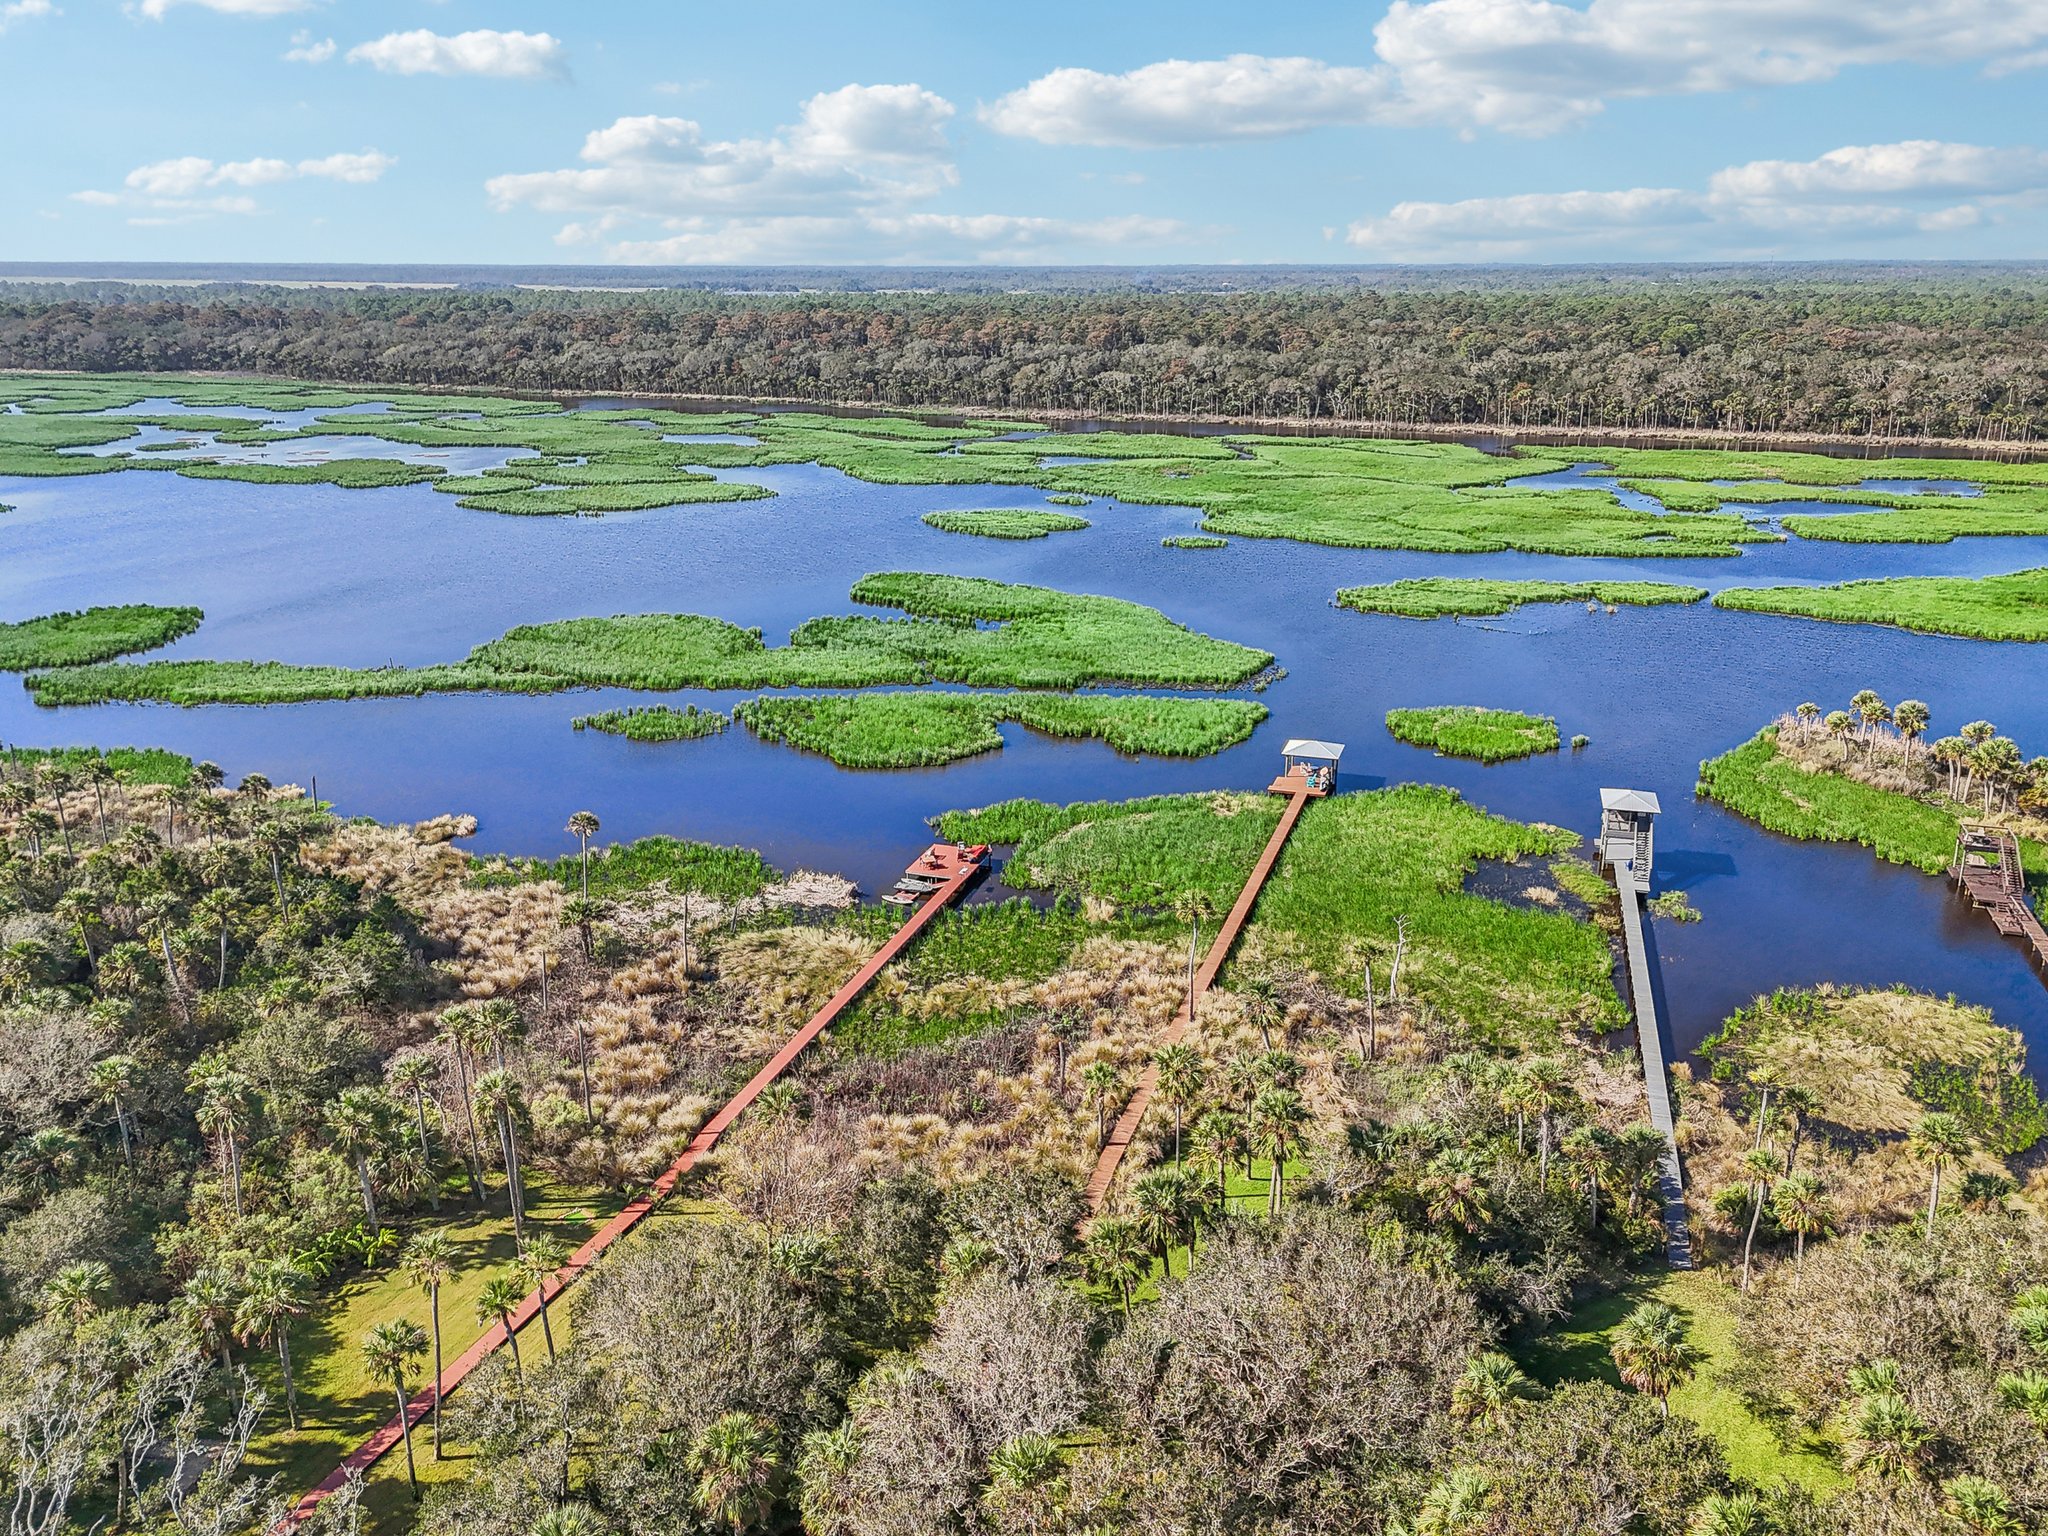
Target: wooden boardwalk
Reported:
point(956, 873)
point(1299, 792)
point(1988, 869)
point(1656, 1077)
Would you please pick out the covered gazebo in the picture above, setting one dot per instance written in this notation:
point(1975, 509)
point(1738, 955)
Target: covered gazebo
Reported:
point(1315, 761)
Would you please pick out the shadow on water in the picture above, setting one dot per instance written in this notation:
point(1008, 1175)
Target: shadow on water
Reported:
point(365, 578)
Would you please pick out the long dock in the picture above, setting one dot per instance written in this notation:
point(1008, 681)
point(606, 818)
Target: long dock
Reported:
point(1299, 790)
point(948, 870)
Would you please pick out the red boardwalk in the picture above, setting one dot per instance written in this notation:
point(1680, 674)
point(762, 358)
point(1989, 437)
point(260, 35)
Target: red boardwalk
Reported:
point(1299, 788)
point(1989, 870)
point(932, 882)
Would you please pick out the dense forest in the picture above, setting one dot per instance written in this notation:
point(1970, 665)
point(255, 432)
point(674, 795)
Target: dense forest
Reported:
point(1956, 354)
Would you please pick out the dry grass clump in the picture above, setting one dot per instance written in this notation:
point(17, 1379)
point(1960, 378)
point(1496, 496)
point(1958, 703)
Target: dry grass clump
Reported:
point(784, 974)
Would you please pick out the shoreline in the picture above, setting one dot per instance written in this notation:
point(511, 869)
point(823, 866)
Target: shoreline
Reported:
point(1495, 436)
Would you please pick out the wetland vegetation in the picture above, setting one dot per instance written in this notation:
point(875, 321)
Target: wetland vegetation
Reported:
point(1434, 597)
point(655, 722)
point(2011, 607)
point(93, 634)
point(1468, 730)
point(1006, 523)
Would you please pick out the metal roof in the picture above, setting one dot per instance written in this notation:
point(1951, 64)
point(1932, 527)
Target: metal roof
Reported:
point(1302, 746)
point(1629, 800)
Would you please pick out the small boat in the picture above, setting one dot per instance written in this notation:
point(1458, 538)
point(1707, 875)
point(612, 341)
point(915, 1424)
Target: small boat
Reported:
point(941, 864)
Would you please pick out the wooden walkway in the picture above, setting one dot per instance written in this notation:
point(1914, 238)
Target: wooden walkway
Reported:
point(1988, 870)
point(1298, 792)
point(957, 873)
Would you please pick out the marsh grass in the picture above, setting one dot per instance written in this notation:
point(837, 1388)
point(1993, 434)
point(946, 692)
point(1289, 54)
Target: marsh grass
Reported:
point(727, 874)
point(1466, 730)
point(138, 765)
point(349, 474)
point(1005, 523)
point(2010, 607)
point(595, 500)
point(1432, 597)
point(1194, 541)
point(656, 722)
point(902, 730)
point(90, 635)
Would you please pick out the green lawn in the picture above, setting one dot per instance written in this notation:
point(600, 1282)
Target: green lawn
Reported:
point(1577, 1350)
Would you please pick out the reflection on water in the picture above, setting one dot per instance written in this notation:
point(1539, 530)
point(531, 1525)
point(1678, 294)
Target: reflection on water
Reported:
point(361, 578)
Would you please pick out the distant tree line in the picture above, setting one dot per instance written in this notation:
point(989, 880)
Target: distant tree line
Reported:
point(1956, 354)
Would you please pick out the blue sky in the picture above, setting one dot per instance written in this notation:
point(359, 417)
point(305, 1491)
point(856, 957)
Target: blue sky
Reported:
point(1114, 131)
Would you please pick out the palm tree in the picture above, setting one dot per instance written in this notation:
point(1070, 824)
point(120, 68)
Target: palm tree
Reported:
point(81, 909)
point(2029, 1318)
point(360, 1122)
point(1799, 1204)
point(1652, 1353)
point(1102, 1083)
point(1063, 1027)
point(736, 1461)
point(582, 914)
point(583, 826)
point(1115, 1253)
point(1489, 1390)
point(1262, 1001)
point(1799, 1104)
point(207, 1307)
point(1761, 1164)
point(567, 1520)
point(536, 1265)
point(1454, 1190)
point(219, 910)
point(1807, 713)
point(1939, 1139)
point(1887, 1438)
point(225, 1096)
point(1456, 1506)
point(501, 1296)
point(1193, 908)
point(1277, 1119)
point(276, 1293)
point(1729, 1514)
point(1179, 1081)
point(429, 1263)
point(389, 1349)
point(1638, 1156)
point(112, 1077)
point(1585, 1147)
point(411, 1075)
point(1979, 1505)
point(499, 1023)
point(43, 1159)
point(1220, 1134)
point(499, 1095)
point(1161, 1200)
point(1548, 1088)
point(1911, 717)
point(74, 1294)
point(157, 913)
point(457, 1030)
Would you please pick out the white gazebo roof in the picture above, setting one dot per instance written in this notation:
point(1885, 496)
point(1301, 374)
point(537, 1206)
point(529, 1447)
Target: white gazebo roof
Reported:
point(1630, 800)
point(1321, 751)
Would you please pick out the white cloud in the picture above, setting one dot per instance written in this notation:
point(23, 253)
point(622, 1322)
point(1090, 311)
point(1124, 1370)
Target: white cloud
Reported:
point(175, 188)
point(1181, 101)
point(1855, 192)
point(305, 50)
point(844, 182)
point(26, 10)
point(861, 145)
point(155, 10)
point(1520, 66)
point(504, 55)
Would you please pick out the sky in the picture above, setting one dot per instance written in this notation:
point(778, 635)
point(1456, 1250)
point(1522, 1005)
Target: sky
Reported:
point(1117, 131)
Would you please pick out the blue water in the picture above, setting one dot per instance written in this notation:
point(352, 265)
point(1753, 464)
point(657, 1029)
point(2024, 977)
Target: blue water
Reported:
point(361, 578)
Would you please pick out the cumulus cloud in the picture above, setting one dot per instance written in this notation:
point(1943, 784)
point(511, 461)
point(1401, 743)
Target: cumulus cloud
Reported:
point(845, 181)
point(502, 55)
point(177, 189)
point(1184, 101)
point(860, 145)
point(1855, 192)
point(1519, 66)
point(305, 50)
point(25, 10)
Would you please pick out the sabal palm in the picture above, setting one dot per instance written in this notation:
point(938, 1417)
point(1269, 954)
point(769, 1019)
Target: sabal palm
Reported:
point(1887, 1437)
point(502, 1296)
point(276, 1293)
point(360, 1123)
point(2026, 1392)
point(1938, 1140)
point(225, 1097)
point(1179, 1081)
point(736, 1461)
point(1548, 1086)
point(411, 1076)
point(1115, 1253)
point(1652, 1352)
point(537, 1265)
point(1761, 1165)
point(1800, 1205)
point(76, 1291)
point(583, 826)
point(1729, 1514)
point(1456, 1506)
point(112, 1079)
point(1277, 1118)
point(1454, 1191)
point(498, 1095)
point(567, 1520)
point(389, 1350)
point(1980, 1506)
point(429, 1263)
point(1489, 1390)
point(1103, 1085)
point(1221, 1135)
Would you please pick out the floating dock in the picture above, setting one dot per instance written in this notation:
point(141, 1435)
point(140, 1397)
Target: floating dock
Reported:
point(942, 874)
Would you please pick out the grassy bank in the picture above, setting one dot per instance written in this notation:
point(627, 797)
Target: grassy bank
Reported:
point(902, 730)
point(1356, 867)
point(1005, 523)
point(655, 723)
point(2011, 607)
point(1756, 781)
point(92, 634)
point(1435, 597)
point(964, 630)
point(1466, 730)
point(730, 874)
point(137, 765)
